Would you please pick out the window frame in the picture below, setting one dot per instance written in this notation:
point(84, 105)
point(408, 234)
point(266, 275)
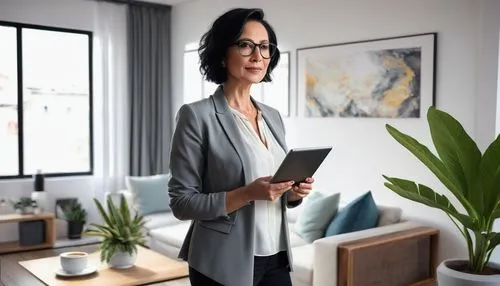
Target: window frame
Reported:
point(20, 95)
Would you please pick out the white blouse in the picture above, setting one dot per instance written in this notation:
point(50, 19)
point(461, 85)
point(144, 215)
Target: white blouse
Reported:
point(269, 238)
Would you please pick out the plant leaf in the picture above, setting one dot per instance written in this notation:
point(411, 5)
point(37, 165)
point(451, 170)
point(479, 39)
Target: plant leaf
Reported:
point(106, 229)
point(432, 162)
point(425, 195)
point(110, 205)
point(103, 255)
point(102, 212)
point(490, 178)
point(124, 210)
point(115, 214)
point(459, 153)
point(494, 239)
point(496, 214)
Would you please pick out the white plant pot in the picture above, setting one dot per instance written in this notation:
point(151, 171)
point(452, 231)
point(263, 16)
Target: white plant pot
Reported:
point(122, 260)
point(449, 277)
point(41, 200)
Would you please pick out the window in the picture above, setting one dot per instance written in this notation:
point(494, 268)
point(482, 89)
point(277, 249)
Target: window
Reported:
point(9, 141)
point(193, 80)
point(274, 94)
point(45, 101)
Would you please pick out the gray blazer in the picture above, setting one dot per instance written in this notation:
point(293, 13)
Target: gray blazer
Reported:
point(207, 159)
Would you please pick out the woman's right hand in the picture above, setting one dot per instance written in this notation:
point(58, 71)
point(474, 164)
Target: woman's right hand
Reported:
point(262, 189)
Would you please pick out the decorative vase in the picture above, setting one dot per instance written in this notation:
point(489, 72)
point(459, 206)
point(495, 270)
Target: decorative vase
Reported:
point(447, 276)
point(122, 260)
point(39, 195)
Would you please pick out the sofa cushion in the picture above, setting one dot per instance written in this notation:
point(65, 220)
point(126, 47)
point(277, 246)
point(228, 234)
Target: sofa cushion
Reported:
point(303, 260)
point(172, 235)
point(150, 193)
point(388, 215)
point(360, 214)
point(318, 211)
point(158, 220)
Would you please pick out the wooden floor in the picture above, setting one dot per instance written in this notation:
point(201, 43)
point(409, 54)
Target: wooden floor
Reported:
point(13, 274)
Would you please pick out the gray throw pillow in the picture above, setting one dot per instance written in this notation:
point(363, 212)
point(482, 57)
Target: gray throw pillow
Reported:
point(319, 209)
point(150, 193)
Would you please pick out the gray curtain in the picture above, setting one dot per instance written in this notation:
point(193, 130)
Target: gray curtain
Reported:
point(150, 89)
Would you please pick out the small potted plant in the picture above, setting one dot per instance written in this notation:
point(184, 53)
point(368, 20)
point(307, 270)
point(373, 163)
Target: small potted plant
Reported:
point(76, 216)
point(121, 233)
point(24, 205)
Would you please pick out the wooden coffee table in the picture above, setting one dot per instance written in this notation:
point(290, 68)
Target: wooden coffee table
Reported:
point(38, 268)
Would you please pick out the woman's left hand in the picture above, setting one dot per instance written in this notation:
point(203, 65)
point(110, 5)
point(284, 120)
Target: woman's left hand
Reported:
point(301, 191)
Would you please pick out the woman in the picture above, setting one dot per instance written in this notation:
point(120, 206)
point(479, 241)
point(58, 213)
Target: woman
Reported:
point(224, 151)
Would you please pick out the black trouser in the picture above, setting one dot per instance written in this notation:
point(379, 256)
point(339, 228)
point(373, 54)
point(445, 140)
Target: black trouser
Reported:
point(268, 271)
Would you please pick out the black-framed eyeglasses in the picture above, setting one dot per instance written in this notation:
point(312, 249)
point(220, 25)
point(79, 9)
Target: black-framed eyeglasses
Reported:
point(247, 47)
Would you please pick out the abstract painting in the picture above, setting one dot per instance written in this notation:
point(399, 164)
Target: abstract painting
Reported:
point(385, 78)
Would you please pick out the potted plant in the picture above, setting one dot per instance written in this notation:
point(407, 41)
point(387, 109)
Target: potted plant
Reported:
point(76, 216)
point(24, 205)
point(473, 178)
point(121, 233)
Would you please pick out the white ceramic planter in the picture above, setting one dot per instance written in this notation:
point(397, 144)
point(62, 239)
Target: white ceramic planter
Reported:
point(449, 277)
point(122, 260)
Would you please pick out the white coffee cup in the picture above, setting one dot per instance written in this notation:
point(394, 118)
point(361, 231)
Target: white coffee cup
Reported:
point(73, 262)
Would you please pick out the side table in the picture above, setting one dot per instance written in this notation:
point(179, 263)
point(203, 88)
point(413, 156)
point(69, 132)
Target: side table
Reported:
point(13, 246)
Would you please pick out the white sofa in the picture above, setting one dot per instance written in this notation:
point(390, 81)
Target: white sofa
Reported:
point(313, 263)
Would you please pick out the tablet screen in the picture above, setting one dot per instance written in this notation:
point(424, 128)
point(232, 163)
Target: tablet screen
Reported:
point(300, 163)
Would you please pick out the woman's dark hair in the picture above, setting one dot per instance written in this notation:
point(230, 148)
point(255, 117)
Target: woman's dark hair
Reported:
point(224, 32)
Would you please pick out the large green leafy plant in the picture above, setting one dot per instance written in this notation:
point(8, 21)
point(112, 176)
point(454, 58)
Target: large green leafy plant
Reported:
point(472, 177)
point(120, 232)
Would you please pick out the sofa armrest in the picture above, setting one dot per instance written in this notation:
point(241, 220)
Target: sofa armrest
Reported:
point(326, 251)
point(400, 258)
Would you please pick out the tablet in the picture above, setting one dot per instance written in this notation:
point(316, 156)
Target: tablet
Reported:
point(300, 163)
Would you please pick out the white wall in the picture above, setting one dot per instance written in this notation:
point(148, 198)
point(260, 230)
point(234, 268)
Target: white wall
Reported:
point(76, 14)
point(489, 30)
point(363, 149)
point(491, 67)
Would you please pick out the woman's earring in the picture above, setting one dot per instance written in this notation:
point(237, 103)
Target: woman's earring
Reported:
point(223, 64)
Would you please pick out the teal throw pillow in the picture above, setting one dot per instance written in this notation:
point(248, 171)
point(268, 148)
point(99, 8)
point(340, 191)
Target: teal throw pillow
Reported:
point(319, 209)
point(360, 214)
point(150, 193)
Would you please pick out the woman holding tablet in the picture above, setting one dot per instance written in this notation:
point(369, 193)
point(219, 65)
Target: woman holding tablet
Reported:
point(224, 151)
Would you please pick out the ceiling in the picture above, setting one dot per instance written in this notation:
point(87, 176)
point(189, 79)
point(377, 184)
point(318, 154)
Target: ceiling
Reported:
point(168, 2)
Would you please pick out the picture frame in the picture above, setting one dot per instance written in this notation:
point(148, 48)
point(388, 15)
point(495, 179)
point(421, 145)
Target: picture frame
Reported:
point(379, 78)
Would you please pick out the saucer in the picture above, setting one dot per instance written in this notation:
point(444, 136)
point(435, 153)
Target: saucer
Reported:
point(86, 271)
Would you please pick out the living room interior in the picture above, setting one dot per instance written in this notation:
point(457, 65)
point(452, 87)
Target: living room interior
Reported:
point(463, 79)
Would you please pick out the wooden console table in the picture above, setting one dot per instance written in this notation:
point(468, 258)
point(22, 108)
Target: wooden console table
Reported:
point(401, 258)
point(13, 246)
